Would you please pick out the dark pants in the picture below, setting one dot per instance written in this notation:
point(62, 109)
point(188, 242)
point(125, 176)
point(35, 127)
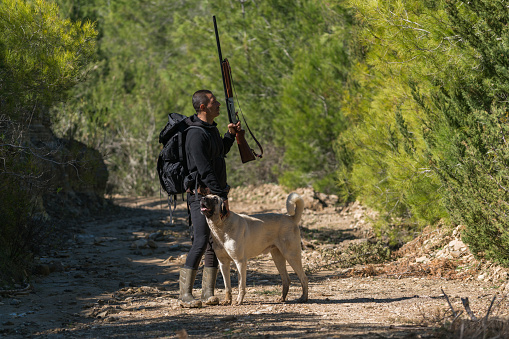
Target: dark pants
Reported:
point(202, 240)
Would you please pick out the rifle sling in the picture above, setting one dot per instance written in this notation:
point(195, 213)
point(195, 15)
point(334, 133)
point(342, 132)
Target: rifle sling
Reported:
point(254, 138)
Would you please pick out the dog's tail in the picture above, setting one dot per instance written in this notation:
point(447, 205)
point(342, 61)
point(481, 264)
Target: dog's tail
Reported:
point(295, 207)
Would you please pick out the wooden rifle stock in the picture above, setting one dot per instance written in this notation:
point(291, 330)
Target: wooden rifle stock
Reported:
point(246, 153)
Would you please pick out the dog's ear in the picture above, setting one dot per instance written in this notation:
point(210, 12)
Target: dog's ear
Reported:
point(222, 208)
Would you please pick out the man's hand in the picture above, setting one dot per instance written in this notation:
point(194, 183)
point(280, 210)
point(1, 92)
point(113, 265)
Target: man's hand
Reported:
point(234, 128)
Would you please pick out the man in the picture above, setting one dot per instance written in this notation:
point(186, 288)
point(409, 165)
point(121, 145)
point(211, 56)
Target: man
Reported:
point(205, 152)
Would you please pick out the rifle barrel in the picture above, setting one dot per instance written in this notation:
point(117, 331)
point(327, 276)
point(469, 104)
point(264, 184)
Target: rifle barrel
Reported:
point(229, 99)
point(217, 40)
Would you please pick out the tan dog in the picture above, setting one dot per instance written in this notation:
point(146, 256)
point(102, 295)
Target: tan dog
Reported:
point(239, 237)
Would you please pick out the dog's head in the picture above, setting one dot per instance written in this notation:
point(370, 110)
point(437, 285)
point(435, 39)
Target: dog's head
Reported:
point(212, 205)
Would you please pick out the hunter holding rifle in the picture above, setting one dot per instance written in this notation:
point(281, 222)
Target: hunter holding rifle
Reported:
point(205, 153)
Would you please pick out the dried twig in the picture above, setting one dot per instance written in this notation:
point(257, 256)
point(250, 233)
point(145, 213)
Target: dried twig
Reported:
point(450, 305)
point(18, 291)
point(489, 310)
point(466, 305)
point(456, 317)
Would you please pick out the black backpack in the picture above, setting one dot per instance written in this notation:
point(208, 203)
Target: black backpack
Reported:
point(172, 163)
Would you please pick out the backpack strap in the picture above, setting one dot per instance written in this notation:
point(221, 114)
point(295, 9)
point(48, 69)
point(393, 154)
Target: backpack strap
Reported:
point(185, 162)
point(189, 221)
point(172, 199)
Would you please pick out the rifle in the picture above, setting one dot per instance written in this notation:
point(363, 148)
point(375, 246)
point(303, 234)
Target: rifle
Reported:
point(246, 152)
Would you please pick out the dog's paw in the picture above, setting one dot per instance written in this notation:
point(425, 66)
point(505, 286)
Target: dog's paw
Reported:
point(280, 299)
point(226, 302)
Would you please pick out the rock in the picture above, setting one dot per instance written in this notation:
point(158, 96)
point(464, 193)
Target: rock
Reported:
point(102, 314)
point(174, 247)
point(84, 238)
point(457, 232)
point(140, 243)
point(422, 259)
point(358, 215)
point(15, 302)
point(157, 236)
point(457, 245)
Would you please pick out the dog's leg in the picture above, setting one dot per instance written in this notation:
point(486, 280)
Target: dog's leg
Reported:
point(242, 271)
point(280, 262)
point(296, 262)
point(224, 266)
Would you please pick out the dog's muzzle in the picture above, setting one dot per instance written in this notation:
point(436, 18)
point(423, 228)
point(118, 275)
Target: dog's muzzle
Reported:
point(207, 205)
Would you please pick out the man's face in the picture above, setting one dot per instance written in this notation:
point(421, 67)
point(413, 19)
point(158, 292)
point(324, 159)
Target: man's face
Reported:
point(213, 106)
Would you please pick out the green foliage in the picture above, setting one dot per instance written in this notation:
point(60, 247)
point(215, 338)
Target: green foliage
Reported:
point(41, 57)
point(477, 184)
point(474, 167)
point(384, 154)
point(20, 234)
point(154, 55)
point(433, 137)
point(311, 115)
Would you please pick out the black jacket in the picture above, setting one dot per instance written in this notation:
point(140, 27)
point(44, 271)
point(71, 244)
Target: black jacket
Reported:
point(205, 152)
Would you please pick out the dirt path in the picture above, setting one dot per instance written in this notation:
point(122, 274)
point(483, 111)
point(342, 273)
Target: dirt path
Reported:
point(118, 277)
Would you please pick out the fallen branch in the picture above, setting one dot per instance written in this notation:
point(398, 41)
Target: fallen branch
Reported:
point(466, 305)
point(485, 320)
point(454, 313)
point(19, 291)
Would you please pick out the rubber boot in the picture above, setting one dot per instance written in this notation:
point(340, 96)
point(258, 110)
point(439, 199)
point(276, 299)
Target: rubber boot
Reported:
point(208, 284)
point(186, 282)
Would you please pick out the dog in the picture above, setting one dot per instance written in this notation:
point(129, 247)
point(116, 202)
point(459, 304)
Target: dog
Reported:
point(239, 237)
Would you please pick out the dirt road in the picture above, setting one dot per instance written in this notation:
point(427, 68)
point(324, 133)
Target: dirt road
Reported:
point(117, 277)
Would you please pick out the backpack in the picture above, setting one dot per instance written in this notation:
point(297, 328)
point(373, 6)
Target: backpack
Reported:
point(172, 163)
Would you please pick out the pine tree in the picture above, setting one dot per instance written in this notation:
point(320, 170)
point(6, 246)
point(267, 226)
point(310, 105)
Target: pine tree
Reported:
point(475, 168)
point(445, 66)
point(41, 57)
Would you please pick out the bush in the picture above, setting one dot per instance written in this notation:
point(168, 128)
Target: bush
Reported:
point(477, 186)
point(469, 138)
point(41, 57)
point(21, 233)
